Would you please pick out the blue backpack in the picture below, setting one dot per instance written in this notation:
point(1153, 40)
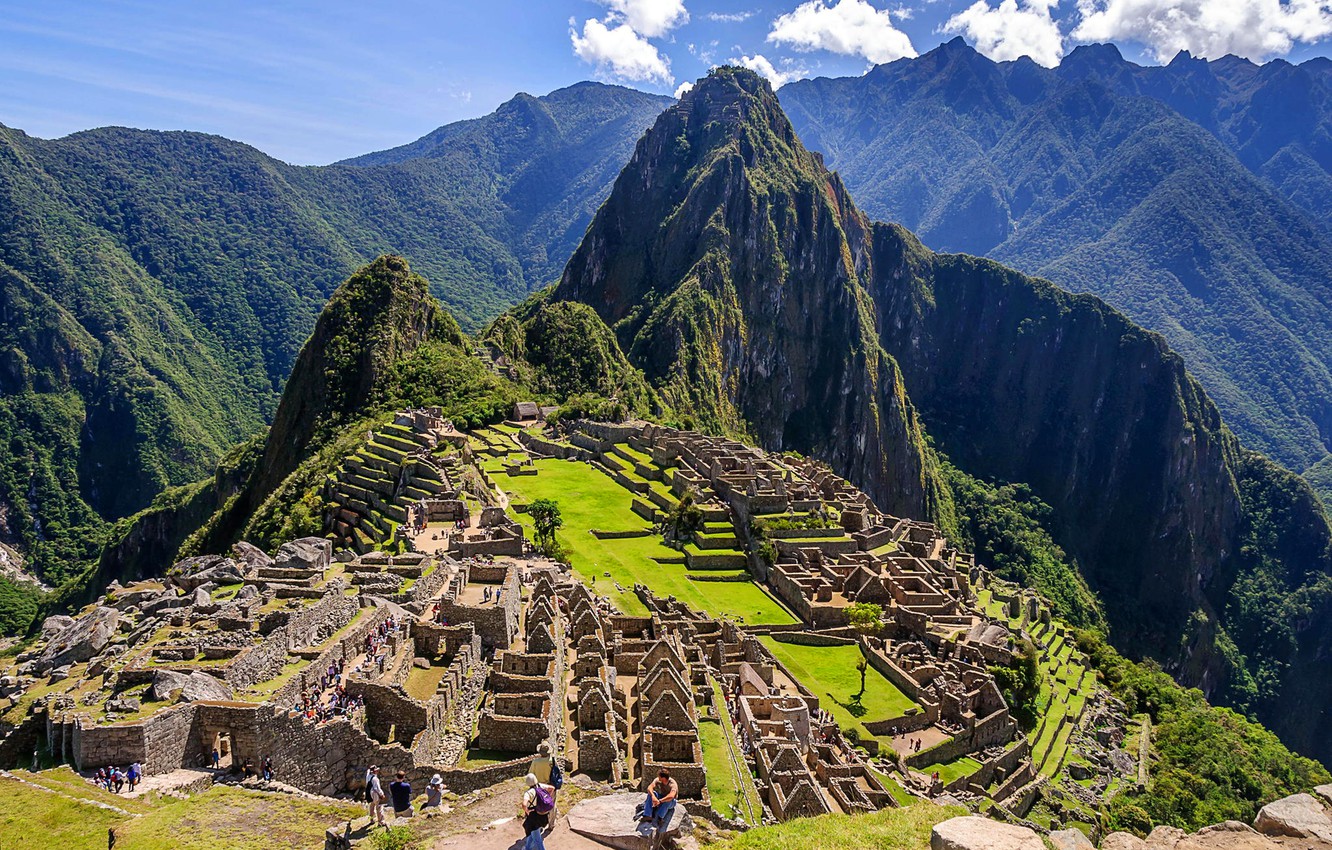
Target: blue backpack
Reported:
point(556, 775)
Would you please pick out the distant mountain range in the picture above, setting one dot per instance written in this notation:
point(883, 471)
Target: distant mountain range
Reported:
point(1196, 197)
point(156, 287)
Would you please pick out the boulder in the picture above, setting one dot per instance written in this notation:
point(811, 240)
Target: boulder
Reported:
point(54, 624)
point(193, 572)
point(613, 820)
point(977, 833)
point(1070, 839)
point(1325, 792)
point(1296, 816)
point(307, 553)
point(1165, 837)
point(1230, 835)
point(1080, 771)
point(1122, 841)
point(194, 686)
point(251, 556)
point(81, 639)
point(124, 705)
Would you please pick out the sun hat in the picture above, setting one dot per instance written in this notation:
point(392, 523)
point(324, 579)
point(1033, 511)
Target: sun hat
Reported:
point(436, 780)
point(531, 780)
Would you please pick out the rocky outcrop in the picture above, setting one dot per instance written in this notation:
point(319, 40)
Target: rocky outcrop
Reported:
point(978, 833)
point(79, 640)
point(173, 686)
point(193, 573)
point(1296, 816)
point(733, 268)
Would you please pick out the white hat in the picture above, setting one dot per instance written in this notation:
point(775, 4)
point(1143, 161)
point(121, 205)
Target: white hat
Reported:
point(436, 780)
point(531, 780)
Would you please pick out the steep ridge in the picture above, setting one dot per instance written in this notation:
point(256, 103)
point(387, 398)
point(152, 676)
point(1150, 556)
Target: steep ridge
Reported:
point(186, 270)
point(731, 266)
point(1183, 195)
point(727, 260)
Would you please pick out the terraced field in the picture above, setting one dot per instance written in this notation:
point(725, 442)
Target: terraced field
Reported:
point(589, 499)
point(830, 672)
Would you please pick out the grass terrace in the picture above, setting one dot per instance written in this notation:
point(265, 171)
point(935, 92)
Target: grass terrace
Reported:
point(588, 499)
point(223, 816)
point(830, 672)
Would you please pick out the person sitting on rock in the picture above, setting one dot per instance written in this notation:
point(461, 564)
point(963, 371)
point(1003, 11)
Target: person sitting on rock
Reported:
point(401, 792)
point(660, 805)
point(434, 796)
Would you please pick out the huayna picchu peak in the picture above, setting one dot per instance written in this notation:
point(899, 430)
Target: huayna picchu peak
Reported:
point(603, 472)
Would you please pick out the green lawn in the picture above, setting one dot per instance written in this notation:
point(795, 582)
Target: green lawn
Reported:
point(588, 499)
point(731, 793)
point(220, 817)
point(887, 829)
point(955, 769)
point(830, 673)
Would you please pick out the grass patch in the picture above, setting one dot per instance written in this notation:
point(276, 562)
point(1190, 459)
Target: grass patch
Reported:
point(953, 770)
point(830, 672)
point(888, 829)
point(422, 684)
point(220, 817)
point(588, 499)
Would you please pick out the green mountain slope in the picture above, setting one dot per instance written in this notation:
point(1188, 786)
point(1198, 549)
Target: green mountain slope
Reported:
point(740, 277)
point(157, 287)
point(1161, 190)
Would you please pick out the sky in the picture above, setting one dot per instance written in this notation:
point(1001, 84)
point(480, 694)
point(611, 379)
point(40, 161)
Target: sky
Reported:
point(314, 82)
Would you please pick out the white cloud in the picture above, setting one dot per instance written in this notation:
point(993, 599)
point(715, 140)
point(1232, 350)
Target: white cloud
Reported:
point(620, 52)
point(730, 17)
point(1255, 29)
point(759, 64)
point(652, 18)
point(683, 89)
point(849, 27)
point(1010, 30)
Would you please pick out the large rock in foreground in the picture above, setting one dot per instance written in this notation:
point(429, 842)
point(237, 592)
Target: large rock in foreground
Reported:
point(188, 688)
point(1296, 816)
point(613, 821)
point(79, 640)
point(978, 833)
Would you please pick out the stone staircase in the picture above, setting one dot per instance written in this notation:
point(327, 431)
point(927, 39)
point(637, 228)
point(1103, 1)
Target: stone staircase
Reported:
point(370, 492)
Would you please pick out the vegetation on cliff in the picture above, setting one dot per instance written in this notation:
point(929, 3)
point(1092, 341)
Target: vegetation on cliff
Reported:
point(156, 288)
point(1182, 194)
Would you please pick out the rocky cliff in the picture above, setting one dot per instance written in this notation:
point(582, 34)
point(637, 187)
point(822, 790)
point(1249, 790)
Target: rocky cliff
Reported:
point(738, 274)
point(732, 267)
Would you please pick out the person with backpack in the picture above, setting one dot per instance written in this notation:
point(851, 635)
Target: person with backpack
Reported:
point(538, 804)
point(660, 805)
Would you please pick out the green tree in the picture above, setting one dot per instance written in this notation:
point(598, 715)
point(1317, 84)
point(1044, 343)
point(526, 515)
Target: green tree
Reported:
point(546, 519)
point(867, 619)
point(1020, 683)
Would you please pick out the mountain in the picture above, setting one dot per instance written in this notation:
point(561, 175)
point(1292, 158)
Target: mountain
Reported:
point(1193, 197)
point(156, 288)
point(739, 276)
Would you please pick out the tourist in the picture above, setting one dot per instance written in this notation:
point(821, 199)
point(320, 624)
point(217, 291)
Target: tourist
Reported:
point(660, 805)
point(217, 759)
point(118, 779)
point(266, 765)
point(401, 791)
point(434, 803)
point(538, 803)
point(132, 775)
point(540, 767)
point(374, 793)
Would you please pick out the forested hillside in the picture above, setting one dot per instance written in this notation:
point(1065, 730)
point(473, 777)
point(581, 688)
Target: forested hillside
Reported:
point(156, 287)
point(1193, 197)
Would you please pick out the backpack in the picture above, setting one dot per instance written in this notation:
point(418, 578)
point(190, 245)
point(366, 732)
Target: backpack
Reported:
point(556, 775)
point(545, 801)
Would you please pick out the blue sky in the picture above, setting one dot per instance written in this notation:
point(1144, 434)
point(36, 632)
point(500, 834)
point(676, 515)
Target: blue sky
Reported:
point(313, 82)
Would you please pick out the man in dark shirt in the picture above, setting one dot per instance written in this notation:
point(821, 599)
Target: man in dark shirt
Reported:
point(401, 792)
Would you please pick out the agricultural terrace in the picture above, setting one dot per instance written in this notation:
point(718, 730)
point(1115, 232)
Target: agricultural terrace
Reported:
point(591, 500)
point(830, 672)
